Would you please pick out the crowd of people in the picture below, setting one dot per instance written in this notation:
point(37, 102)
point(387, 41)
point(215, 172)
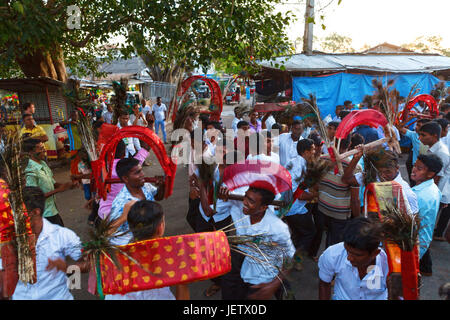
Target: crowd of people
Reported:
point(352, 260)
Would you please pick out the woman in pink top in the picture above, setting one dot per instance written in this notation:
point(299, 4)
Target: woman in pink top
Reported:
point(105, 205)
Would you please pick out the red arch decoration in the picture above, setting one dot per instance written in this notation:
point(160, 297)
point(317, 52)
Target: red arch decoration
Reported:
point(102, 172)
point(356, 118)
point(216, 95)
point(429, 101)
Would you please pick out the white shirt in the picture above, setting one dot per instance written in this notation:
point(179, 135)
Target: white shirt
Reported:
point(264, 157)
point(159, 111)
point(288, 148)
point(270, 121)
point(348, 285)
point(234, 125)
point(152, 294)
point(409, 193)
point(146, 110)
point(297, 168)
point(133, 144)
point(273, 229)
point(107, 116)
point(54, 242)
point(441, 150)
point(140, 122)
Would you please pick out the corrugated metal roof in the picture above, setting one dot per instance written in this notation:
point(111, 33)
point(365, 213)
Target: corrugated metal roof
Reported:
point(395, 63)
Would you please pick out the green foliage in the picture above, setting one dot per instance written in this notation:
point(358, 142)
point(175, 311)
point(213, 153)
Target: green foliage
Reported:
point(335, 43)
point(428, 44)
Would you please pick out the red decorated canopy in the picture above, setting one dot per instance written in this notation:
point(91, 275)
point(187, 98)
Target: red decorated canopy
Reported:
point(430, 111)
point(260, 174)
point(102, 173)
point(216, 96)
point(369, 117)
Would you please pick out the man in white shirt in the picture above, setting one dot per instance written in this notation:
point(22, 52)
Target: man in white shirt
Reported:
point(133, 144)
point(159, 111)
point(252, 278)
point(288, 143)
point(53, 244)
point(237, 118)
point(338, 110)
point(108, 114)
point(429, 135)
point(260, 147)
point(357, 265)
point(299, 219)
point(138, 118)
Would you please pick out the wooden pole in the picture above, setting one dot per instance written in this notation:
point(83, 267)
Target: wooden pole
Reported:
point(308, 34)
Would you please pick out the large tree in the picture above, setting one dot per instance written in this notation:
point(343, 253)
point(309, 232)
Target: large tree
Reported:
point(336, 43)
point(194, 33)
point(41, 38)
point(428, 44)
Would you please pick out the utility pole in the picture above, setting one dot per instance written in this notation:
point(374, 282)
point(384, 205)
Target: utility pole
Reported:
point(308, 35)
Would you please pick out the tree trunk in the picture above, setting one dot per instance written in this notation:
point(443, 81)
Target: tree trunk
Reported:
point(44, 64)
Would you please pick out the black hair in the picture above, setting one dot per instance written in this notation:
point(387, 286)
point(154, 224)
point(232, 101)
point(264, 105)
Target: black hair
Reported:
point(30, 144)
point(125, 165)
point(266, 195)
point(315, 136)
point(445, 106)
point(339, 107)
point(97, 124)
point(347, 102)
point(242, 123)
point(432, 128)
point(431, 161)
point(357, 235)
point(144, 219)
point(356, 140)
point(215, 124)
point(304, 145)
point(204, 117)
point(447, 116)
point(27, 105)
point(120, 150)
point(34, 198)
point(345, 143)
point(343, 114)
point(123, 112)
point(334, 124)
point(26, 115)
point(296, 122)
point(276, 126)
point(390, 160)
point(423, 121)
point(443, 123)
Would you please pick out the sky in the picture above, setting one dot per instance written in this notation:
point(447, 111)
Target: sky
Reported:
point(376, 21)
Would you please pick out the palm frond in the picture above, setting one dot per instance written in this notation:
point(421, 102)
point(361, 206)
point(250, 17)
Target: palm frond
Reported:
point(87, 136)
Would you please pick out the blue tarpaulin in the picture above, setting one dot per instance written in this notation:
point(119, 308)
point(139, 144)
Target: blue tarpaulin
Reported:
point(333, 90)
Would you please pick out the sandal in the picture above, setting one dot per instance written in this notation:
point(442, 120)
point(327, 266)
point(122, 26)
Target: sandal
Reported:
point(212, 290)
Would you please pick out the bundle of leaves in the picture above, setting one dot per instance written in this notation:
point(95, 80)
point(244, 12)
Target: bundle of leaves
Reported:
point(315, 171)
point(120, 98)
point(373, 160)
point(12, 165)
point(397, 226)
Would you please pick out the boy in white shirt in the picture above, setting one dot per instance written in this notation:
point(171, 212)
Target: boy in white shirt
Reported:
point(357, 265)
point(249, 278)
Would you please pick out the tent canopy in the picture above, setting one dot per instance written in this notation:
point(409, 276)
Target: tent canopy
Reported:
point(391, 63)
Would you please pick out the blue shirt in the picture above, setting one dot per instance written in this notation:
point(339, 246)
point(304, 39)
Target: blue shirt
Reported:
point(119, 202)
point(369, 134)
point(429, 198)
point(414, 137)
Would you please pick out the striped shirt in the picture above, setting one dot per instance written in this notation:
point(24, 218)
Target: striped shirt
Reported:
point(334, 195)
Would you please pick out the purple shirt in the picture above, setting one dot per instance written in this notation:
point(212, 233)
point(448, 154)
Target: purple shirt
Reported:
point(257, 128)
point(105, 205)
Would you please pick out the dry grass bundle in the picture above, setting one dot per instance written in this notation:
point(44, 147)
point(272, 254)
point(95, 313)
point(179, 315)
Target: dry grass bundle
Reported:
point(87, 136)
point(315, 171)
point(13, 165)
point(398, 227)
point(321, 127)
point(77, 98)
